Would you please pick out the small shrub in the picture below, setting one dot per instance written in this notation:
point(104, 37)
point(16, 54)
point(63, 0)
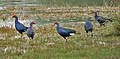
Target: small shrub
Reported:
point(117, 26)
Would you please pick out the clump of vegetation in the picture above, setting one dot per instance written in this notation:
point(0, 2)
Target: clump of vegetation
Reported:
point(7, 31)
point(117, 26)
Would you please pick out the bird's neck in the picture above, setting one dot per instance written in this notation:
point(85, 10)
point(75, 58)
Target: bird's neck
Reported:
point(16, 19)
point(88, 19)
point(96, 15)
point(57, 27)
point(31, 25)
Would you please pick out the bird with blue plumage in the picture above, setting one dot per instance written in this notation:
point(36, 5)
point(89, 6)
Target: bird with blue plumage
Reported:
point(64, 32)
point(101, 20)
point(88, 26)
point(19, 26)
point(30, 31)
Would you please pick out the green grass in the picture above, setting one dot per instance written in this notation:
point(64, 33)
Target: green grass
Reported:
point(47, 44)
point(63, 2)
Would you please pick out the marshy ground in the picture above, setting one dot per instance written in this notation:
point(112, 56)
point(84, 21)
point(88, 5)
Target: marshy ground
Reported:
point(48, 44)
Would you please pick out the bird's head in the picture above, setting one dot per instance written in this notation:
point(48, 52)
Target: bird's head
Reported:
point(13, 15)
point(95, 12)
point(56, 23)
point(33, 22)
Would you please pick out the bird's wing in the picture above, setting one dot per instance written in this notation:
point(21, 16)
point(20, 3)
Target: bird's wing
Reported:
point(88, 25)
point(106, 19)
point(30, 31)
point(20, 26)
point(65, 30)
point(101, 19)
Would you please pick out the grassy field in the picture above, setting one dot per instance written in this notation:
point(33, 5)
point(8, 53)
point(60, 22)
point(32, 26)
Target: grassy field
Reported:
point(62, 2)
point(47, 44)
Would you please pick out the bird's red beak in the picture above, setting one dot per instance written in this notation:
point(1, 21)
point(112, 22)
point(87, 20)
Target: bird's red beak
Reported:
point(33, 22)
point(13, 14)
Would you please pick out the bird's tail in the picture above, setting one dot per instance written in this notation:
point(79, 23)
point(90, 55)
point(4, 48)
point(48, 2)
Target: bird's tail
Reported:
point(73, 32)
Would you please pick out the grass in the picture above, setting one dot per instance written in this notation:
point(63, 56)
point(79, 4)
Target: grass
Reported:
point(47, 44)
point(63, 2)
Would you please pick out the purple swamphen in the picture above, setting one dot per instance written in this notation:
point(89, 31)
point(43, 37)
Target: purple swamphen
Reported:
point(101, 19)
point(64, 32)
point(88, 26)
point(19, 26)
point(30, 31)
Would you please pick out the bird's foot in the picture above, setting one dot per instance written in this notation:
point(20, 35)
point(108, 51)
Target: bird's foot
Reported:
point(91, 34)
point(66, 40)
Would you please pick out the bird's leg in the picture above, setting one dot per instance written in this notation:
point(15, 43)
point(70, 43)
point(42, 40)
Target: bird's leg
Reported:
point(91, 33)
point(21, 36)
point(86, 34)
point(29, 38)
point(65, 39)
point(28, 41)
point(100, 25)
